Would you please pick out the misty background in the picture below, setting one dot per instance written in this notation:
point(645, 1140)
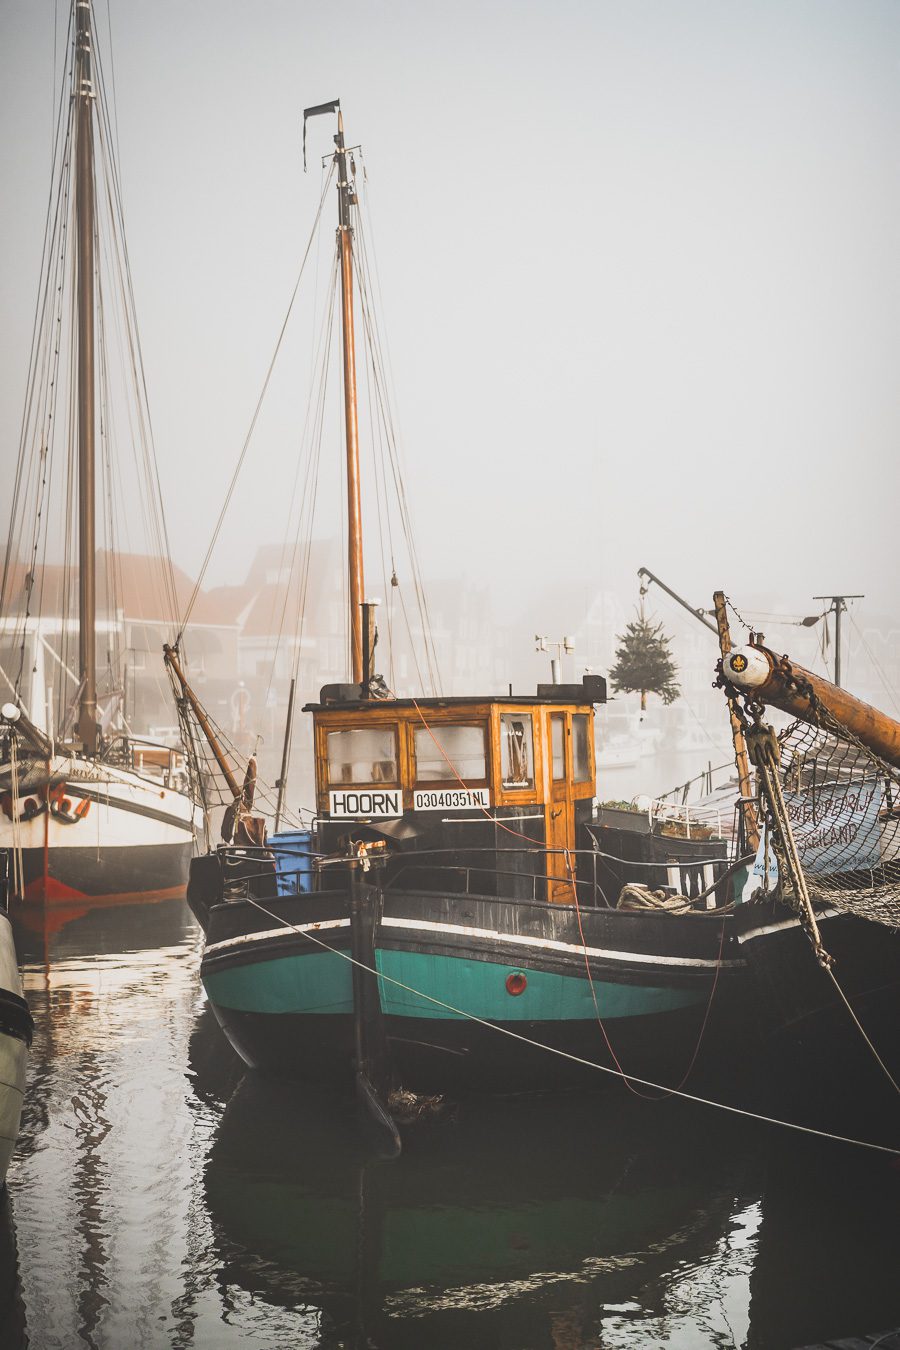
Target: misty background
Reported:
point(640, 288)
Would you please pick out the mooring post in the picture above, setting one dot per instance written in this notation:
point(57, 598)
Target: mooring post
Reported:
point(369, 1037)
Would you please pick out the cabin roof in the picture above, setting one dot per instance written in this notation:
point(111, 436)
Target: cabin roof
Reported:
point(567, 694)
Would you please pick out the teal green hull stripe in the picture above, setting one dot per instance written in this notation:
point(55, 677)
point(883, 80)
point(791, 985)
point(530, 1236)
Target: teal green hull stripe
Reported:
point(291, 984)
point(322, 984)
point(480, 988)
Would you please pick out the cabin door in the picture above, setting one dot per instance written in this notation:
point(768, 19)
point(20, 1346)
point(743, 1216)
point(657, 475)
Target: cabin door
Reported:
point(560, 811)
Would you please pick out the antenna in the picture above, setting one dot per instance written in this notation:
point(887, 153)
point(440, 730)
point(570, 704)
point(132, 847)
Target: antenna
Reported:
point(837, 607)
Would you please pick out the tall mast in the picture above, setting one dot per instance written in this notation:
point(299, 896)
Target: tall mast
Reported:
point(84, 231)
point(741, 758)
point(346, 198)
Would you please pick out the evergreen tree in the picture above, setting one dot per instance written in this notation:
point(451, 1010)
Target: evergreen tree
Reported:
point(643, 664)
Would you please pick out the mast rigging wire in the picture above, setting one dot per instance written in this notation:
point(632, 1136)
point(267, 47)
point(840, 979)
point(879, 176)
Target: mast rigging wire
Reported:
point(871, 655)
point(312, 440)
point(240, 463)
point(44, 423)
point(376, 348)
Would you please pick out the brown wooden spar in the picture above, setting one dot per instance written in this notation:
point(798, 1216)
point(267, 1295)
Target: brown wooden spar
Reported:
point(741, 759)
point(84, 216)
point(346, 198)
point(757, 671)
point(170, 656)
point(237, 822)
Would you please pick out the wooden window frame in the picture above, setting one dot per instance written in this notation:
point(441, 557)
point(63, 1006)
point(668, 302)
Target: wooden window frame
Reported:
point(434, 726)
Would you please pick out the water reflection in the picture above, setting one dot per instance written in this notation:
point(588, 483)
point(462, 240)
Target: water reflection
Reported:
point(101, 1179)
point(12, 1306)
point(530, 1223)
point(828, 1254)
point(160, 1197)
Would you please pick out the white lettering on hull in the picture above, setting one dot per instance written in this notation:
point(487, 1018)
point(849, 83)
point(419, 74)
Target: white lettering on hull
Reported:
point(450, 799)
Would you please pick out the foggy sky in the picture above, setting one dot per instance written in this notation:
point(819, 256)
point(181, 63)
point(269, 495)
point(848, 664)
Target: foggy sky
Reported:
point(640, 265)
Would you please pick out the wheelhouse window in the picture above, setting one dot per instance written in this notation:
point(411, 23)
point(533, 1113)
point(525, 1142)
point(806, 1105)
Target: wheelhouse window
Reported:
point(581, 764)
point(447, 752)
point(362, 755)
point(558, 745)
point(517, 750)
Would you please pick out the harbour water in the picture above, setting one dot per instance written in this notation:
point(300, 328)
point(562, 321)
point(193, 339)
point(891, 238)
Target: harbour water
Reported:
point(162, 1197)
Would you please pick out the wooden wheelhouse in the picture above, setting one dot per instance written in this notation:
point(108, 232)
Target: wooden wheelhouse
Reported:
point(455, 778)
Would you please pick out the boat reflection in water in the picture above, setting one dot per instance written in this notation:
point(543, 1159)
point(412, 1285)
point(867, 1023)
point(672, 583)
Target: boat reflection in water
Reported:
point(562, 1224)
point(100, 1180)
point(526, 1223)
point(59, 934)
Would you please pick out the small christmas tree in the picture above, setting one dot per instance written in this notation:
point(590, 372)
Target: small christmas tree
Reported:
point(643, 663)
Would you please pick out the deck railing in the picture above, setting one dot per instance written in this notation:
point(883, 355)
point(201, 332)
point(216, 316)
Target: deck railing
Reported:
point(252, 870)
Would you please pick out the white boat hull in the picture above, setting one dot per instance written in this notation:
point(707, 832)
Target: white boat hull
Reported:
point(97, 831)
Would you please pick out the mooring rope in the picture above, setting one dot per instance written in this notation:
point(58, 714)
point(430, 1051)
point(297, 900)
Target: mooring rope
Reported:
point(862, 1031)
point(587, 965)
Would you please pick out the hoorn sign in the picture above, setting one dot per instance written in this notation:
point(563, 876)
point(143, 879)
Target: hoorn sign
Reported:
point(366, 802)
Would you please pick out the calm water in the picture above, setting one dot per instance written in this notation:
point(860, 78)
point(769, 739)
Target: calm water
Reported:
point(160, 1197)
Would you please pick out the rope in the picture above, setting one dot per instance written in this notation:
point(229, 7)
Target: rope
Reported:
point(626, 1078)
point(196, 591)
point(381, 383)
point(310, 457)
point(18, 859)
point(862, 1031)
point(42, 510)
point(567, 1055)
point(871, 655)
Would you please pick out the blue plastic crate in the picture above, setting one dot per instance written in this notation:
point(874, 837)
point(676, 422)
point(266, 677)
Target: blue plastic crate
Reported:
point(293, 861)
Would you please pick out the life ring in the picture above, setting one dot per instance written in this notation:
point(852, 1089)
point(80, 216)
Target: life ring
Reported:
point(61, 807)
point(30, 807)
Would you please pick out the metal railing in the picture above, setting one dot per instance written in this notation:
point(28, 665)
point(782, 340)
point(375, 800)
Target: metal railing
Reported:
point(698, 878)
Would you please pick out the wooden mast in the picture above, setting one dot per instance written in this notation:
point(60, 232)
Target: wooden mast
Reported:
point(281, 782)
point(346, 198)
point(741, 759)
point(170, 656)
point(84, 232)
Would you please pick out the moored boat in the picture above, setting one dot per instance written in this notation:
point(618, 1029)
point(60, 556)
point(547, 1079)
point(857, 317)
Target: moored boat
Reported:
point(458, 920)
point(482, 883)
point(87, 811)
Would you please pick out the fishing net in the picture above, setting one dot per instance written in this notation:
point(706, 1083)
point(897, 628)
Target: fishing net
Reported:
point(843, 804)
